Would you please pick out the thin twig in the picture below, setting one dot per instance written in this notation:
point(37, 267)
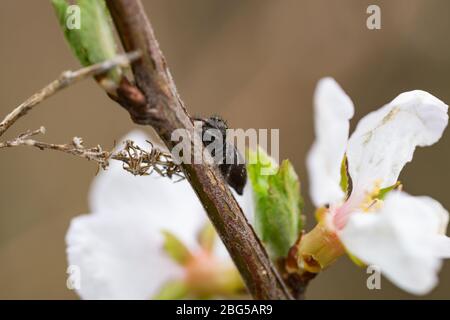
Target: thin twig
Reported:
point(75, 148)
point(67, 78)
point(135, 159)
point(155, 101)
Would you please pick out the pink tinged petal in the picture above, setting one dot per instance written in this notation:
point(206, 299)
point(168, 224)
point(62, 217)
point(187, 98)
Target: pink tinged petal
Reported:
point(333, 110)
point(172, 206)
point(402, 238)
point(385, 140)
point(120, 256)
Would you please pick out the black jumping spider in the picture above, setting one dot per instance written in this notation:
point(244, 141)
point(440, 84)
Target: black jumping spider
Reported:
point(232, 164)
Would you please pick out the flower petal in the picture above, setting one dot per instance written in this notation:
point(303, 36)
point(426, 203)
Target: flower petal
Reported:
point(333, 110)
point(173, 205)
point(441, 215)
point(384, 140)
point(119, 256)
point(402, 238)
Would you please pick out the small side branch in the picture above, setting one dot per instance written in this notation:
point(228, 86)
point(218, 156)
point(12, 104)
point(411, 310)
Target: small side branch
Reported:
point(135, 159)
point(67, 78)
point(75, 148)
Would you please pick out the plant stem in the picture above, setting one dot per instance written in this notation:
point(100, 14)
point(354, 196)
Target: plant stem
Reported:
point(155, 101)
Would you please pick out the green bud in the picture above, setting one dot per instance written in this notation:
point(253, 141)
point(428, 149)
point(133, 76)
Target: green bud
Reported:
point(90, 35)
point(278, 220)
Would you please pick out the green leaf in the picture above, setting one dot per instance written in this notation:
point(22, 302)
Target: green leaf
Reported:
point(278, 203)
point(345, 180)
point(94, 41)
point(175, 248)
point(172, 290)
point(383, 192)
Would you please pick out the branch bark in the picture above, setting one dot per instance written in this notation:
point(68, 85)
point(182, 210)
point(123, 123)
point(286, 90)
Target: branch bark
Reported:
point(155, 101)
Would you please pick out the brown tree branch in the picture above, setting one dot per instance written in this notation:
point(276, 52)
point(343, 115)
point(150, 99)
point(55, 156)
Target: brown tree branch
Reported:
point(155, 102)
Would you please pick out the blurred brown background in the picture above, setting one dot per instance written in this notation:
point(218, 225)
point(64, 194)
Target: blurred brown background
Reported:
point(256, 63)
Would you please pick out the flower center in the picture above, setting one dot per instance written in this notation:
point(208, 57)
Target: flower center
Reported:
point(371, 201)
point(363, 201)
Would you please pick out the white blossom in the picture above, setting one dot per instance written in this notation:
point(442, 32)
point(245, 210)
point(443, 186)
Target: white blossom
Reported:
point(404, 235)
point(118, 246)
